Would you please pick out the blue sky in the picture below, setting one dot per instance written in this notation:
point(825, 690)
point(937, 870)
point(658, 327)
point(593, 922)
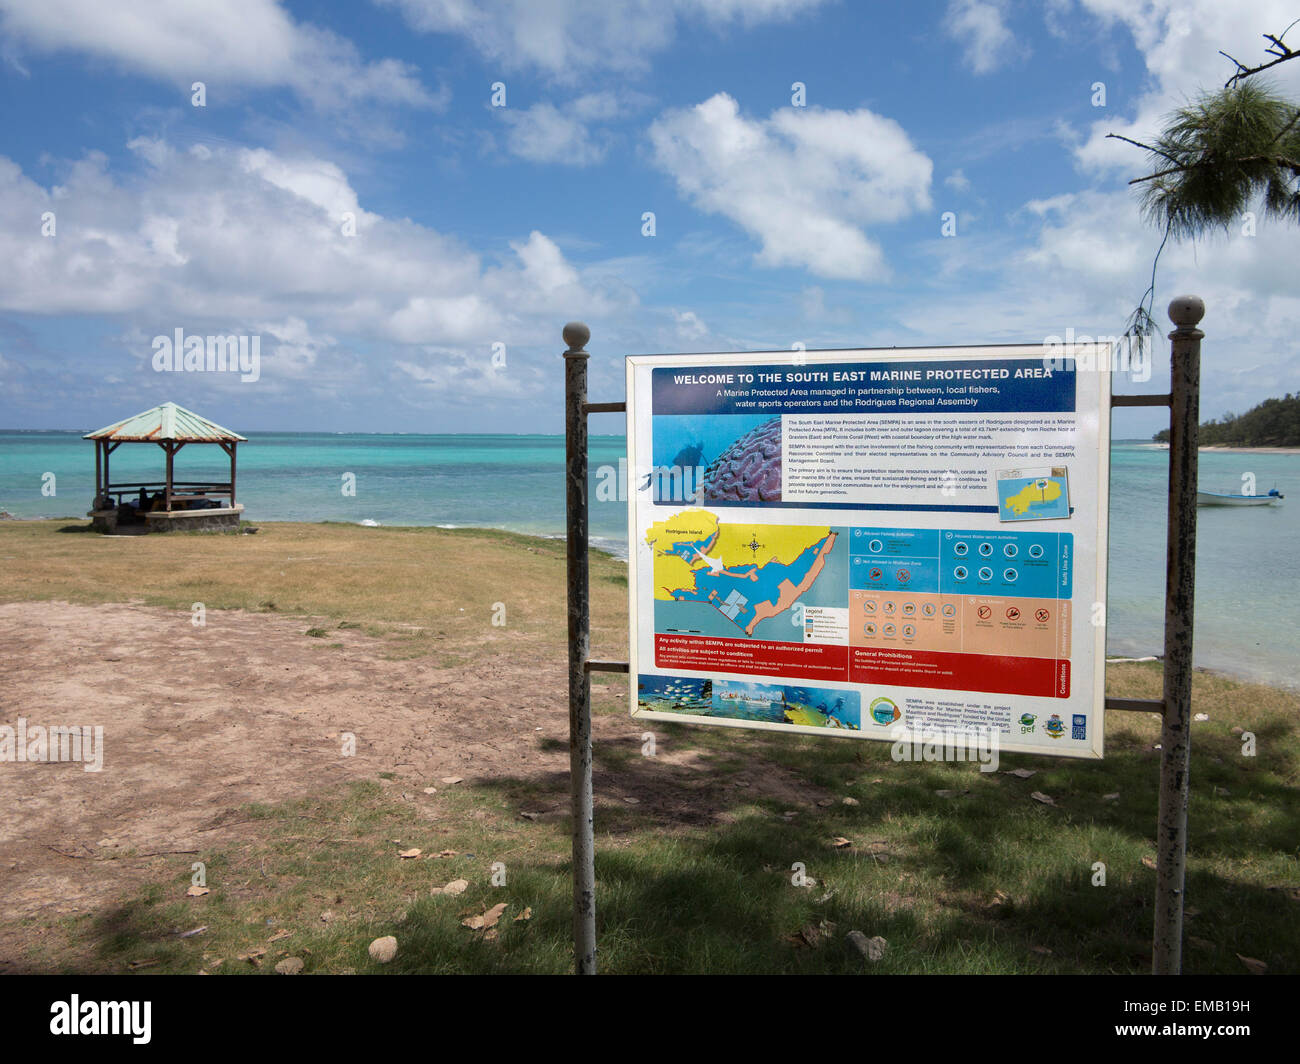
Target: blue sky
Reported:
point(479, 229)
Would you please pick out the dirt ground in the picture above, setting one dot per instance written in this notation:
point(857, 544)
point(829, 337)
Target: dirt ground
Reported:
point(201, 721)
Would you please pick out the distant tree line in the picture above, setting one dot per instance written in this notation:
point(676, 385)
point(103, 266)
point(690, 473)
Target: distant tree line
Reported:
point(1274, 423)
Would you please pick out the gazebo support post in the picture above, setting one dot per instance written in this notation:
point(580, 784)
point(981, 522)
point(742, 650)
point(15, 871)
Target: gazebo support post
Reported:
point(171, 466)
point(108, 480)
point(168, 447)
point(229, 448)
point(99, 484)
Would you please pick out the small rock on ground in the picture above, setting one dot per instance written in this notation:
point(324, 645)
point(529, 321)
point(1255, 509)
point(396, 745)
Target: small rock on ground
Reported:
point(383, 950)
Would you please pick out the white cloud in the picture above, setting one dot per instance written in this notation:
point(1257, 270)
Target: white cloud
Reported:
point(294, 350)
point(1054, 17)
point(957, 181)
point(545, 271)
point(1042, 207)
point(1092, 239)
point(1180, 41)
point(603, 106)
point(980, 27)
point(544, 133)
point(1084, 266)
point(689, 325)
point(227, 239)
point(1085, 257)
point(459, 375)
point(566, 37)
point(573, 133)
point(804, 182)
point(253, 44)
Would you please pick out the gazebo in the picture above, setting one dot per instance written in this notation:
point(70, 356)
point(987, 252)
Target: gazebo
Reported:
point(167, 504)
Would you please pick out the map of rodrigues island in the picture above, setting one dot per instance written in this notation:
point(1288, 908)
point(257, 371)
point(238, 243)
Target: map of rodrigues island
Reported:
point(747, 573)
point(1035, 498)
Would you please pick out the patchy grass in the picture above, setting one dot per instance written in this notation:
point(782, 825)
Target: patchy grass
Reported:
point(414, 586)
point(986, 880)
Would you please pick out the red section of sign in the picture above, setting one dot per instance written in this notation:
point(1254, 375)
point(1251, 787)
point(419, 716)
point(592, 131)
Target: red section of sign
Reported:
point(761, 657)
point(1047, 677)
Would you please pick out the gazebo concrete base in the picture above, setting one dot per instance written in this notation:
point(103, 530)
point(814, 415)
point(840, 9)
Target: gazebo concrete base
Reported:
point(218, 520)
point(103, 520)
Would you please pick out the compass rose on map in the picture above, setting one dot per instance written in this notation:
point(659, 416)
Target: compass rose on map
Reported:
point(754, 545)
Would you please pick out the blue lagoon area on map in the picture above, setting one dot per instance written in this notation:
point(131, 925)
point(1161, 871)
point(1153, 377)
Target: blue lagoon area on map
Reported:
point(737, 592)
point(1038, 498)
point(749, 600)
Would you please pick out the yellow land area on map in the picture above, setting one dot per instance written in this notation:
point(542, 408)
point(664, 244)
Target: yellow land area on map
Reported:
point(672, 570)
point(1031, 493)
point(696, 540)
point(760, 544)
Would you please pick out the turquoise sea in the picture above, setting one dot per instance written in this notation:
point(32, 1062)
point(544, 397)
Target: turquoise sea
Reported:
point(1248, 565)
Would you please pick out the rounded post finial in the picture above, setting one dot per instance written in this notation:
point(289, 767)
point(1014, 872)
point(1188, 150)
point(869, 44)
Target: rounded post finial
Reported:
point(576, 335)
point(1186, 311)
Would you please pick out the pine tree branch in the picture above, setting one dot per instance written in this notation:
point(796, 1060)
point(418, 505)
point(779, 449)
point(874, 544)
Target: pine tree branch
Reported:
point(1285, 129)
point(1241, 67)
point(1277, 48)
point(1144, 147)
point(1276, 160)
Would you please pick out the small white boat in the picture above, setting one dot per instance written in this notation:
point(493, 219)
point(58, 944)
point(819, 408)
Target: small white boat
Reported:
point(1217, 498)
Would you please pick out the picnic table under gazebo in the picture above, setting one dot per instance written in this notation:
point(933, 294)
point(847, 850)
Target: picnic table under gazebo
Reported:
point(167, 504)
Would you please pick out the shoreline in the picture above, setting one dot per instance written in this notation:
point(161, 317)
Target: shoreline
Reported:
point(1217, 671)
point(1226, 449)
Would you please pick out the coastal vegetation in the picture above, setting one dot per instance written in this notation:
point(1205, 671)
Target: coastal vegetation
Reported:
point(1273, 423)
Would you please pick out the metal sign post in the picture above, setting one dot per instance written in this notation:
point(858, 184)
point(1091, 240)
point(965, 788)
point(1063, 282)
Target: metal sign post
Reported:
point(1180, 579)
point(576, 336)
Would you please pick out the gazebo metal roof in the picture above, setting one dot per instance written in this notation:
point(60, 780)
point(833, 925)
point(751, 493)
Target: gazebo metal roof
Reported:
point(167, 422)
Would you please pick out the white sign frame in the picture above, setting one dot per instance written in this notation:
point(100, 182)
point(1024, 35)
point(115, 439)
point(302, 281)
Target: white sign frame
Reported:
point(1087, 498)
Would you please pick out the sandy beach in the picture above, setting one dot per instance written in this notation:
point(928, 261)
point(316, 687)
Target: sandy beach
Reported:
point(1251, 450)
point(1232, 450)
